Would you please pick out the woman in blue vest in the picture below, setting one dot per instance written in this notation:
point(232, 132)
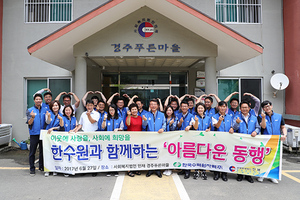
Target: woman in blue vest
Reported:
point(54, 121)
point(201, 122)
point(69, 120)
point(170, 124)
point(112, 122)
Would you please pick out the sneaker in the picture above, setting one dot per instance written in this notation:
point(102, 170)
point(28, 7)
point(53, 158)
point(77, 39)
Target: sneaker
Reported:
point(46, 174)
point(41, 169)
point(66, 175)
point(108, 174)
point(168, 172)
point(196, 174)
point(260, 179)
point(165, 172)
point(274, 180)
point(203, 176)
point(54, 174)
point(116, 173)
point(32, 173)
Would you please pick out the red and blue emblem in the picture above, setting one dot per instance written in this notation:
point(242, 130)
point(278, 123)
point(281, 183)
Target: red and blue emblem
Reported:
point(232, 168)
point(146, 28)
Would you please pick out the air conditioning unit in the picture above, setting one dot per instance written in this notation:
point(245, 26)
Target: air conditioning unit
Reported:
point(293, 139)
point(5, 133)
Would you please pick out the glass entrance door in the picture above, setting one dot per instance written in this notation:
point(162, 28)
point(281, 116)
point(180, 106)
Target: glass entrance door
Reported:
point(146, 93)
point(145, 85)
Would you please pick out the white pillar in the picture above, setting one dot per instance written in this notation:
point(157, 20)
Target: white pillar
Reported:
point(210, 76)
point(80, 81)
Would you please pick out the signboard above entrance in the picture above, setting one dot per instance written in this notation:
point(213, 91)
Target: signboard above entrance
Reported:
point(175, 48)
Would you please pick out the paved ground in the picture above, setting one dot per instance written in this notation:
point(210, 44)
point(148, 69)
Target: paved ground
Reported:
point(16, 183)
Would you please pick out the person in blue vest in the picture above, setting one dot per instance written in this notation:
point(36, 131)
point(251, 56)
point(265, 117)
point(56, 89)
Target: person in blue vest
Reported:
point(171, 124)
point(222, 122)
point(121, 108)
point(54, 121)
point(234, 104)
point(247, 124)
point(100, 108)
point(36, 122)
point(208, 101)
point(70, 121)
point(201, 122)
point(154, 122)
point(184, 118)
point(173, 101)
point(250, 97)
point(47, 97)
point(271, 124)
point(112, 122)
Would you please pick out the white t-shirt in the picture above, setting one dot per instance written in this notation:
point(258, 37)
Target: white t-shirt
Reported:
point(84, 121)
point(62, 109)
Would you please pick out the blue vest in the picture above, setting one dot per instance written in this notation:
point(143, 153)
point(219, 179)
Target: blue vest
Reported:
point(176, 113)
point(252, 112)
point(203, 123)
point(186, 120)
point(101, 120)
point(54, 121)
point(243, 126)
point(171, 127)
point(144, 112)
point(192, 111)
point(69, 124)
point(112, 124)
point(225, 125)
point(232, 113)
point(38, 122)
point(154, 124)
point(46, 106)
point(273, 124)
point(123, 114)
point(210, 112)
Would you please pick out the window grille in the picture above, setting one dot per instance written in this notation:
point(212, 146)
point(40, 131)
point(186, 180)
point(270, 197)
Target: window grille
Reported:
point(48, 10)
point(238, 11)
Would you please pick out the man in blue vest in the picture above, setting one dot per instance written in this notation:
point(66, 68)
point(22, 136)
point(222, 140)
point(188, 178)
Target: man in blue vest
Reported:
point(154, 121)
point(185, 118)
point(271, 124)
point(36, 122)
point(247, 124)
point(222, 122)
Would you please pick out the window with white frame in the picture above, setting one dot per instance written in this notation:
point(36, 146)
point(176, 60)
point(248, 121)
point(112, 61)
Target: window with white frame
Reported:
point(226, 86)
point(48, 10)
point(56, 85)
point(238, 11)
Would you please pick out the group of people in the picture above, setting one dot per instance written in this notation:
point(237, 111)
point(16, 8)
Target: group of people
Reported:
point(185, 113)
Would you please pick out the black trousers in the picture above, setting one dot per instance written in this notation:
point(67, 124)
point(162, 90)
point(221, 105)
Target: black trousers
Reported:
point(34, 142)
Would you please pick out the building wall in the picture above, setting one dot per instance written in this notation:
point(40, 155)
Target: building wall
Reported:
point(291, 17)
point(270, 35)
point(17, 64)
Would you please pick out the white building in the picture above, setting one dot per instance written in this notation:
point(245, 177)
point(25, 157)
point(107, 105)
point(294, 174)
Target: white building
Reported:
point(152, 48)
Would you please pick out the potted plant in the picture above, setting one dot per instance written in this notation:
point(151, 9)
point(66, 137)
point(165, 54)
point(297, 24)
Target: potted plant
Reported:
point(28, 143)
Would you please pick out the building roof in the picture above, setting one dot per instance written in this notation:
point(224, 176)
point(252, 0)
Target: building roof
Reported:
point(57, 47)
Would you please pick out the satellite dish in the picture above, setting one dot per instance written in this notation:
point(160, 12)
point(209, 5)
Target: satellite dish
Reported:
point(279, 82)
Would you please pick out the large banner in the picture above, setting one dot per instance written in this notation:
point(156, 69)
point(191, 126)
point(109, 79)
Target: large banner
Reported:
point(88, 152)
